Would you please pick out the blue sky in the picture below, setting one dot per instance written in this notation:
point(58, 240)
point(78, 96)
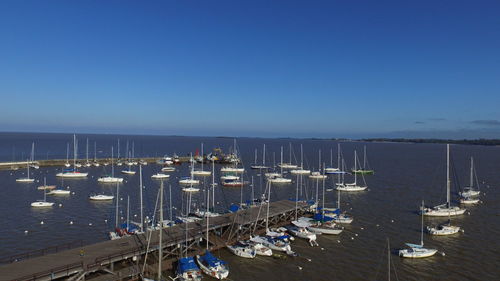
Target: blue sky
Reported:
point(252, 68)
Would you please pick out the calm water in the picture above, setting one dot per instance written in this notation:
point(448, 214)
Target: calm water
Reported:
point(405, 174)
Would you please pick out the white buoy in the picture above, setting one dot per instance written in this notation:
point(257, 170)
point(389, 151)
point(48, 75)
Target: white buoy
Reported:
point(322, 249)
point(90, 224)
point(362, 228)
point(443, 254)
point(338, 241)
point(60, 205)
point(352, 238)
point(41, 222)
point(25, 232)
point(73, 193)
point(300, 268)
point(377, 225)
point(355, 234)
point(71, 222)
point(392, 220)
point(105, 220)
point(309, 260)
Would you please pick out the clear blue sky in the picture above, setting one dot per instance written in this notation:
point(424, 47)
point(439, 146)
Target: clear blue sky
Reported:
point(252, 68)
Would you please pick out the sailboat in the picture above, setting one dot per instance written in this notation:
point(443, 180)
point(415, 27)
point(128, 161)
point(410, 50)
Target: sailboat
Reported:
point(270, 240)
point(331, 169)
point(87, 163)
point(67, 164)
point(263, 165)
point(235, 159)
point(417, 250)
point(317, 174)
point(28, 179)
point(201, 172)
point(352, 186)
point(42, 203)
point(95, 163)
point(341, 217)
point(445, 209)
point(110, 178)
point(128, 171)
point(72, 173)
point(321, 223)
point(366, 167)
point(208, 263)
point(189, 180)
point(468, 194)
point(289, 165)
point(278, 178)
point(33, 164)
point(301, 169)
point(443, 229)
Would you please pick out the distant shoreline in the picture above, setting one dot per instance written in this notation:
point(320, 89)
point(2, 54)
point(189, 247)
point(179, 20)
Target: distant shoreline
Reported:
point(489, 142)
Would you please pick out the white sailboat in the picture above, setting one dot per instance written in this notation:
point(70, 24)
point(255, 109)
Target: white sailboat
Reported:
point(353, 186)
point(289, 165)
point(129, 171)
point(301, 170)
point(201, 172)
point(208, 263)
point(42, 203)
point(468, 192)
point(417, 250)
point(110, 178)
point(317, 174)
point(270, 240)
point(446, 209)
point(263, 165)
point(73, 173)
point(27, 179)
point(190, 180)
point(67, 164)
point(278, 177)
point(159, 176)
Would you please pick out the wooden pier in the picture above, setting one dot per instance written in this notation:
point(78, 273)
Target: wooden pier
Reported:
point(123, 259)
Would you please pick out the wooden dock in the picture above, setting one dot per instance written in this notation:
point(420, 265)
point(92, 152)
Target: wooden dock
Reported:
point(123, 258)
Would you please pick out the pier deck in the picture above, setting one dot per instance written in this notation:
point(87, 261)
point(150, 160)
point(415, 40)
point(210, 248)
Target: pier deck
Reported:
point(100, 258)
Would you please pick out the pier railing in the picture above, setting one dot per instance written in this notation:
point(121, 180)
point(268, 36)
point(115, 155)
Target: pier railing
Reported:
point(66, 270)
point(42, 252)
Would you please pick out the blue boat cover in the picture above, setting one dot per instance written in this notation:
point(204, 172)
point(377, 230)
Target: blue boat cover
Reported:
point(69, 170)
point(186, 264)
point(130, 228)
point(233, 208)
point(211, 260)
point(322, 218)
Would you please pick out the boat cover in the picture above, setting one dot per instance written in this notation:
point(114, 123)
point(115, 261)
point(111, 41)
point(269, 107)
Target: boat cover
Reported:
point(186, 264)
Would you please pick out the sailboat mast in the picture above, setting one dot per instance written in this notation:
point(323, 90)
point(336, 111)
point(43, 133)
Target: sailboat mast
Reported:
point(128, 211)
point(140, 195)
point(301, 157)
point(202, 158)
point(87, 151)
point(323, 194)
point(264, 156)
point(160, 232)
point(296, 197)
point(208, 204)
point(74, 151)
point(355, 167)
point(338, 161)
point(471, 172)
point(281, 166)
point(268, 203)
point(112, 165)
point(422, 227)
point(448, 175)
point(116, 208)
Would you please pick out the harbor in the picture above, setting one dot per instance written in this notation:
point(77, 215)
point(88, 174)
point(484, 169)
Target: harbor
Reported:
point(117, 259)
point(98, 240)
